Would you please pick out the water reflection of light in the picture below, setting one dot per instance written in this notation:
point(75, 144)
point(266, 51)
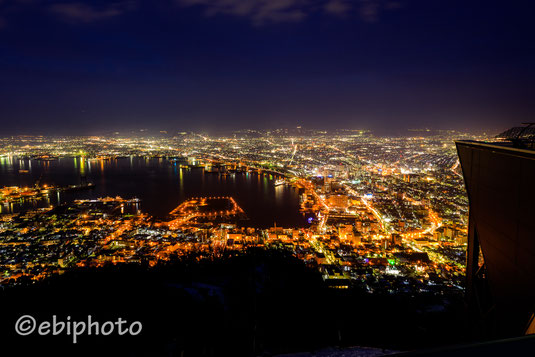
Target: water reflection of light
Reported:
point(265, 185)
point(181, 180)
point(279, 194)
point(82, 165)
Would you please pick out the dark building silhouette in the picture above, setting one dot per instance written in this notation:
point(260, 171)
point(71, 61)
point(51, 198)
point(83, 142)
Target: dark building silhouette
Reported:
point(500, 182)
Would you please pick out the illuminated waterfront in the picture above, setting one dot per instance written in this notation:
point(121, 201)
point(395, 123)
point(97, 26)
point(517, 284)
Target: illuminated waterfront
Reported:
point(161, 185)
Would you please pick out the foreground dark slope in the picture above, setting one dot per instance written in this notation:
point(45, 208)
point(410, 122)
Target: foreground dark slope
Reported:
point(259, 303)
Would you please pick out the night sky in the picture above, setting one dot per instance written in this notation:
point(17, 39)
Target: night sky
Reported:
point(84, 67)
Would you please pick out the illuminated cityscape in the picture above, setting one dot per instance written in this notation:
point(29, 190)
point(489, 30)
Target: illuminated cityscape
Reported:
point(382, 214)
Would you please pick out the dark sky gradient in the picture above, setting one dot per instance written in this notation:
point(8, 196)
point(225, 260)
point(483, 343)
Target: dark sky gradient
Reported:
point(86, 67)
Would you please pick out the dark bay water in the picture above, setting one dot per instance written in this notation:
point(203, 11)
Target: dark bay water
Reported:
point(160, 184)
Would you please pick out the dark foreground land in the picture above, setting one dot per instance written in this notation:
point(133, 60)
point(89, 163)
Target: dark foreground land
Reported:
point(261, 303)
